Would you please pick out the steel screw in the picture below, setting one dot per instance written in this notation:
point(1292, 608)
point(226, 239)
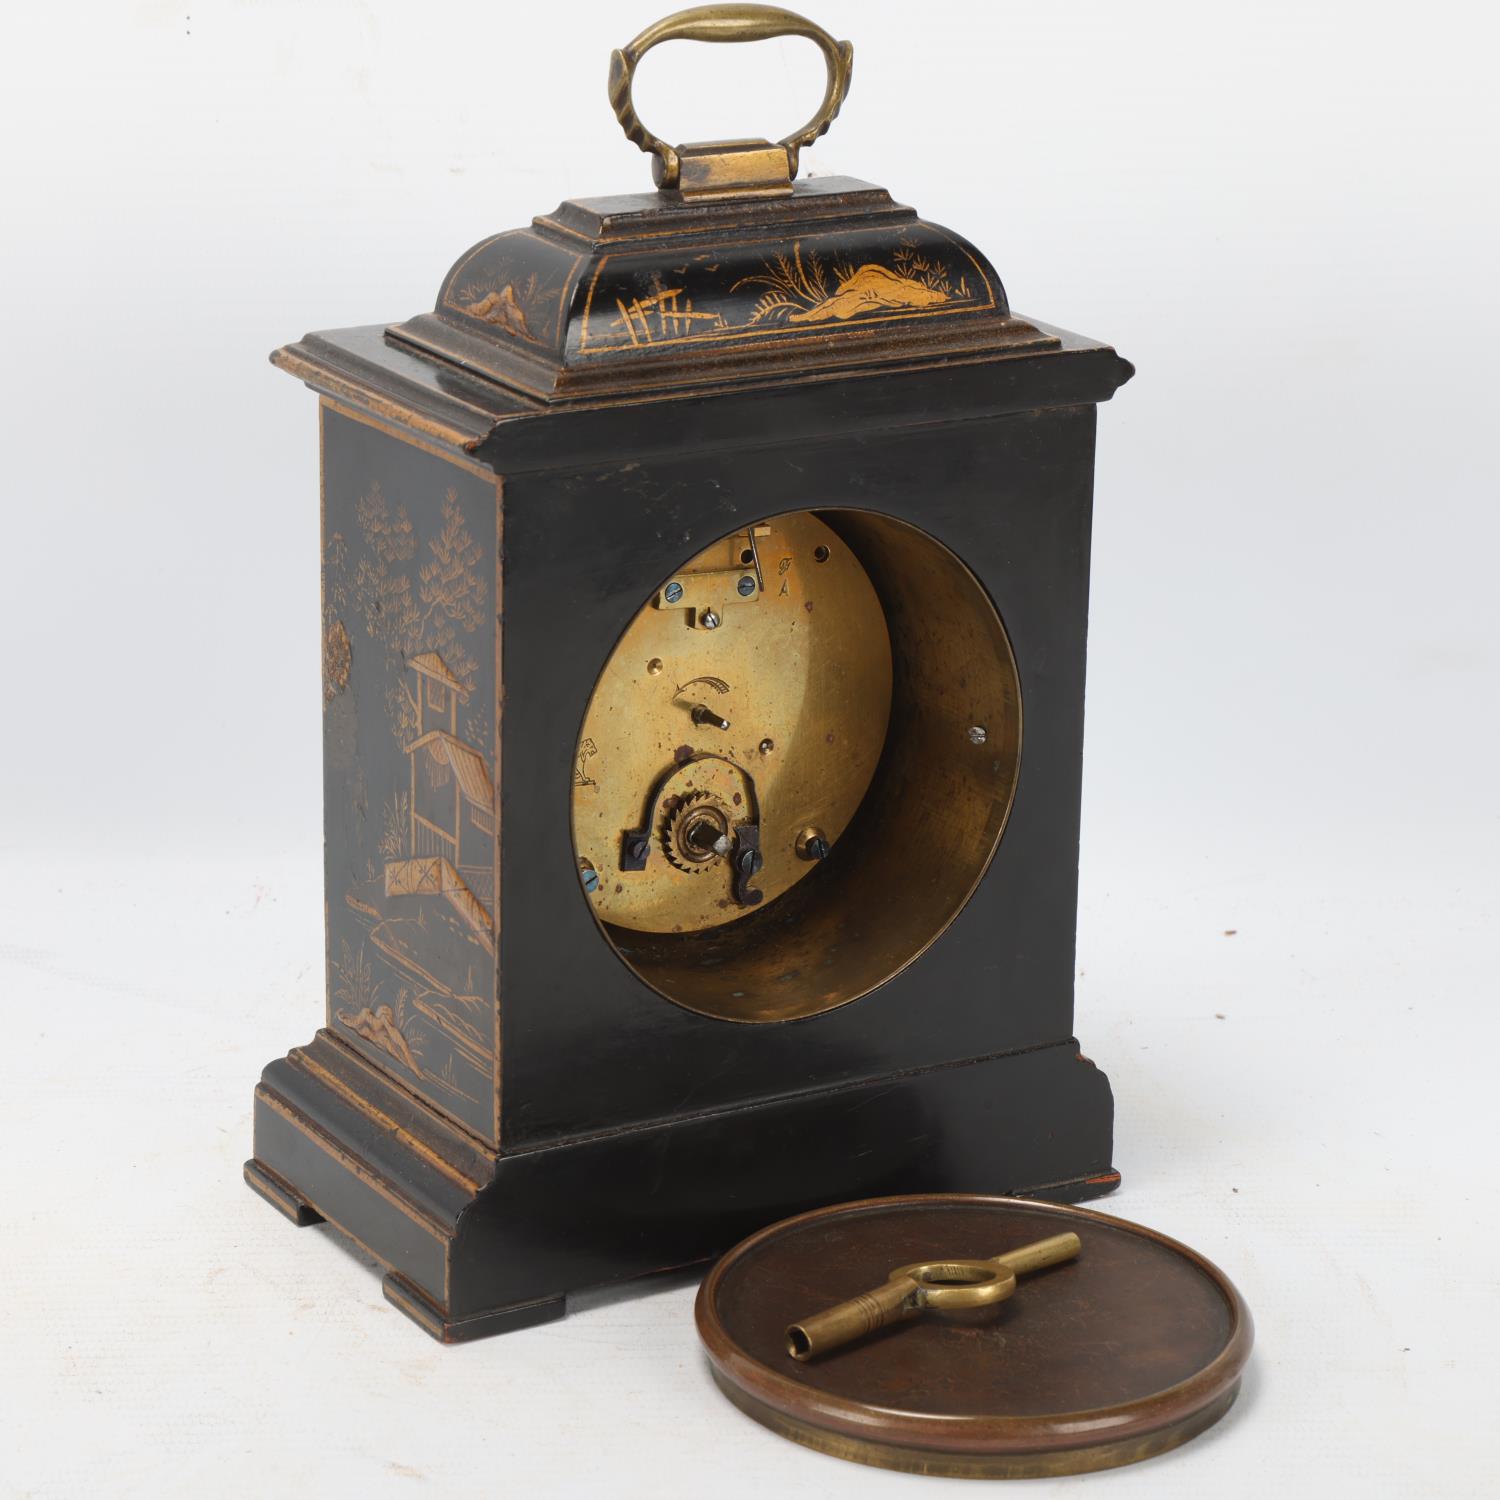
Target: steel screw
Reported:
point(705, 717)
point(709, 620)
point(672, 593)
point(978, 735)
point(746, 587)
point(812, 844)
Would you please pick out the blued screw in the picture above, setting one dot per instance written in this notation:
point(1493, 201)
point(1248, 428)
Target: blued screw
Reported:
point(591, 881)
point(746, 586)
point(672, 593)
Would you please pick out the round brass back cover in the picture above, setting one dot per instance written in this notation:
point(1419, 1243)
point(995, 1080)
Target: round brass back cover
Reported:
point(1134, 1347)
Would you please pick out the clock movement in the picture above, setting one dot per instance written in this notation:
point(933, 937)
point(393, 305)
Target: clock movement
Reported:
point(705, 587)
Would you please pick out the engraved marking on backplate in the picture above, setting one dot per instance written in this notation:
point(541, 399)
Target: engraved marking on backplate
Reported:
point(587, 750)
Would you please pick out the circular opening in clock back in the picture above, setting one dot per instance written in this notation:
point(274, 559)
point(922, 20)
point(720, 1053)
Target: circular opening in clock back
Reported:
point(796, 765)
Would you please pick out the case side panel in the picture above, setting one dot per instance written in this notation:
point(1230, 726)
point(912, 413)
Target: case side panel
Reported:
point(410, 679)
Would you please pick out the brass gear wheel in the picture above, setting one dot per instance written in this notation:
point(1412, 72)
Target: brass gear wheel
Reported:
point(697, 833)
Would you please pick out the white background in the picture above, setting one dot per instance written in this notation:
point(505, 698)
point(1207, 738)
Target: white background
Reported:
point(1285, 214)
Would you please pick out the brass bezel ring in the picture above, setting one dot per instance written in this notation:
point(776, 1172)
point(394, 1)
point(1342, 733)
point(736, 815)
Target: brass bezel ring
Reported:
point(727, 23)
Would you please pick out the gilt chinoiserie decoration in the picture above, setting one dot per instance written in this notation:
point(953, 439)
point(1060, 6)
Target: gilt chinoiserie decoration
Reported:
point(409, 588)
point(704, 604)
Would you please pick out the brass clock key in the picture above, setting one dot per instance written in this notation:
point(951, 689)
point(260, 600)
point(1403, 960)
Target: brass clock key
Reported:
point(936, 1285)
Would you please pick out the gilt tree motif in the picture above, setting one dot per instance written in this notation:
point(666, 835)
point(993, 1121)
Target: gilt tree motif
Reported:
point(447, 601)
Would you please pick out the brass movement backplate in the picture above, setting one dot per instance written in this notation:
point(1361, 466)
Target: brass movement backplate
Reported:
point(752, 690)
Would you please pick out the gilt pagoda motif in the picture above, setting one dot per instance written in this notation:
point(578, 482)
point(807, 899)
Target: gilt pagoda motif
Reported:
point(451, 849)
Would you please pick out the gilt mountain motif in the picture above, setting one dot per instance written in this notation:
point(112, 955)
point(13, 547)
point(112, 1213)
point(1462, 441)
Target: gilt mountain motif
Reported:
point(781, 291)
point(800, 294)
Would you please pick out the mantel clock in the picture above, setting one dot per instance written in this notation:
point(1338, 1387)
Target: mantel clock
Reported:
point(704, 608)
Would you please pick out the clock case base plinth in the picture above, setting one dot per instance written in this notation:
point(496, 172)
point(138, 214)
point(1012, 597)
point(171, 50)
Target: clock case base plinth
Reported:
point(476, 1244)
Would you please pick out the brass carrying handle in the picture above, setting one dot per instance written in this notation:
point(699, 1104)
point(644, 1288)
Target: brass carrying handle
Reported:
point(936, 1285)
point(726, 23)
